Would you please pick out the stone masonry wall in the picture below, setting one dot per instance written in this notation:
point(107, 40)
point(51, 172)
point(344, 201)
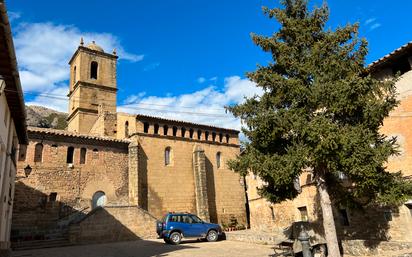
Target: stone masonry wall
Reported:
point(105, 170)
point(164, 188)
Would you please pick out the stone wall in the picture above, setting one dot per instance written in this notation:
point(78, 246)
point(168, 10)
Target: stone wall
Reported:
point(114, 223)
point(164, 188)
point(55, 188)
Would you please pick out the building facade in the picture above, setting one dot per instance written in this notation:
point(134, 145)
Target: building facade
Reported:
point(12, 127)
point(112, 159)
point(381, 224)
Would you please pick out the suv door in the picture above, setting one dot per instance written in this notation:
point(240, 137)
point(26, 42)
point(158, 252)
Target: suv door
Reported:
point(198, 226)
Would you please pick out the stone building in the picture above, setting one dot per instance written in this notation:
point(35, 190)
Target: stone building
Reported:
point(130, 164)
point(12, 127)
point(376, 223)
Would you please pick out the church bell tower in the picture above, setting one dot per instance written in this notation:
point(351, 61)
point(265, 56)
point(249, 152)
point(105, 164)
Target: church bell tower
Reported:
point(93, 86)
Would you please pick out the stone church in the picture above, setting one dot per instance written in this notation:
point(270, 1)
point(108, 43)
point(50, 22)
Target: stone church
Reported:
point(135, 167)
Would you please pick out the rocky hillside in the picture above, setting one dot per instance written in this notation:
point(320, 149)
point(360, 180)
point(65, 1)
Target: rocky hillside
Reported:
point(38, 116)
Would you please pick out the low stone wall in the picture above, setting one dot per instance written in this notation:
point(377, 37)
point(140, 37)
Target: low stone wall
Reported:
point(112, 224)
point(369, 247)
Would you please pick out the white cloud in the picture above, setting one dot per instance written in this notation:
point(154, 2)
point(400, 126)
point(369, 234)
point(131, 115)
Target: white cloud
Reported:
point(201, 80)
point(151, 66)
point(213, 79)
point(204, 106)
point(44, 49)
point(13, 15)
point(368, 21)
point(375, 26)
point(372, 24)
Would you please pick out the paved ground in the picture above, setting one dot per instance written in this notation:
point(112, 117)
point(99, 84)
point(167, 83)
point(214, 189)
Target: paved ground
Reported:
point(158, 248)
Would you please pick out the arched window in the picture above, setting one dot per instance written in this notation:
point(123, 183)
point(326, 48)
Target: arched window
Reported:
point(206, 135)
point(146, 127)
point(165, 130)
point(227, 138)
point(168, 155)
point(156, 129)
point(126, 129)
point(93, 70)
point(99, 199)
point(213, 136)
point(74, 75)
point(38, 152)
point(183, 131)
point(199, 134)
point(70, 153)
point(220, 137)
point(218, 159)
point(191, 131)
point(174, 131)
point(83, 155)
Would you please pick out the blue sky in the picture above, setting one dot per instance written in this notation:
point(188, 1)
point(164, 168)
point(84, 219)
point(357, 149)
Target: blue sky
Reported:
point(175, 55)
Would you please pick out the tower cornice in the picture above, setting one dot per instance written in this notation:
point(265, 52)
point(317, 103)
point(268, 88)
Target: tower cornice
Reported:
point(86, 49)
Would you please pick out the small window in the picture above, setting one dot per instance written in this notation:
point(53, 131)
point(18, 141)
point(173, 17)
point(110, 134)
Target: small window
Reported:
point(218, 159)
point(191, 132)
point(126, 129)
point(174, 131)
point(53, 197)
point(309, 178)
point(199, 134)
point(22, 152)
point(165, 130)
point(213, 136)
point(343, 215)
point(183, 131)
point(146, 127)
point(168, 155)
point(303, 213)
point(70, 153)
point(93, 70)
point(206, 135)
point(38, 152)
point(227, 138)
point(95, 153)
point(82, 155)
point(74, 75)
point(220, 137)
point(156, 129)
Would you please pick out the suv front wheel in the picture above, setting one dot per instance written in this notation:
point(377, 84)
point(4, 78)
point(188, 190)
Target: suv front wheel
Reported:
point(212, 236)
point(175, 238)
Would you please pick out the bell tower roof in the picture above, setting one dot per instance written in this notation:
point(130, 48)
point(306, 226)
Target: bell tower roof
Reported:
point(95, 47)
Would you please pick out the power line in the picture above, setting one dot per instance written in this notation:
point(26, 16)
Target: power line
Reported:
point(148, 104)
point(78, 100)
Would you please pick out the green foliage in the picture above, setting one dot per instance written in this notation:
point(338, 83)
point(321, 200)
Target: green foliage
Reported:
point(320, 111)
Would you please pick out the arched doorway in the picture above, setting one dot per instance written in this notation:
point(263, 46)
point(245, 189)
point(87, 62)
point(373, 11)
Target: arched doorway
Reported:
point(99, 199)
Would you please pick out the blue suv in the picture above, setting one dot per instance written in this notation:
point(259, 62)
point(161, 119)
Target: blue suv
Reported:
point(174, 226)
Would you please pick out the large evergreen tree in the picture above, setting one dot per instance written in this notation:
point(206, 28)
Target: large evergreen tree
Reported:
point(320, 112)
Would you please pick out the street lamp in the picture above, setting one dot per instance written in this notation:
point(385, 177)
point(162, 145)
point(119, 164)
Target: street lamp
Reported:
point(27, 170)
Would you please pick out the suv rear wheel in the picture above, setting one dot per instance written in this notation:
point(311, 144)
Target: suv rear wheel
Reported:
point(211, 236)
point(175, 238)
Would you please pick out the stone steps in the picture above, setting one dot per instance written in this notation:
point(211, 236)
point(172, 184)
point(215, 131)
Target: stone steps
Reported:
point(38, 244)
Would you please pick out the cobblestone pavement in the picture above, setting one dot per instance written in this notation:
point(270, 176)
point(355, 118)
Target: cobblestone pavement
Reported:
point(158, 248)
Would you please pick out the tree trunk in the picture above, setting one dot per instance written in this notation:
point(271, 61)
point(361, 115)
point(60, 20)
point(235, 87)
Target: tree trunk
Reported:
point(328, 221)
